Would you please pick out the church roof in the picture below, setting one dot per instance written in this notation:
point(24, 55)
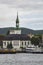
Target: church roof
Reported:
point(16, 37)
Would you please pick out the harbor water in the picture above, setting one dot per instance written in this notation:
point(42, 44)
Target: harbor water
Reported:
point(21, 59)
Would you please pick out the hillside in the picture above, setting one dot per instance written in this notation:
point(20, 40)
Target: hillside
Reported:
point(23, 30)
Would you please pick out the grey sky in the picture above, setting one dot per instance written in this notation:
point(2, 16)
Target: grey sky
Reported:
point(30, 13)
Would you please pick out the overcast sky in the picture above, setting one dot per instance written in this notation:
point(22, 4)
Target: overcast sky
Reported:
point(30, 13)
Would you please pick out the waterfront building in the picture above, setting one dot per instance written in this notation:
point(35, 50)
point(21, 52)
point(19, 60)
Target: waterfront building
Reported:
point(15, 40)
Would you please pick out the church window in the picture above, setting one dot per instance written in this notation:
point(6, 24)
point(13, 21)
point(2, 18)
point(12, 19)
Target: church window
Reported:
point(25, 43)
point(22, 43)
point(16, 43)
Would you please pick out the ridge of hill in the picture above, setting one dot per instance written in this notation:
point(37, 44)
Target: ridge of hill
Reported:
point(23, 30)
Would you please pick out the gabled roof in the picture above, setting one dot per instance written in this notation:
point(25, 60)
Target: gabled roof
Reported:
point(17, 37)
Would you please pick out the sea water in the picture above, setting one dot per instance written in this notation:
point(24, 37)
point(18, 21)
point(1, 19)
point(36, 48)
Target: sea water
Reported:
point(21, 59)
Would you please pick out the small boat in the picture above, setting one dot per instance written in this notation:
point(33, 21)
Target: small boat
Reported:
point(33, 50)
point(30, 49)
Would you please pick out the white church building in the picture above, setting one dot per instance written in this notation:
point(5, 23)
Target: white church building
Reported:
point(16, 40)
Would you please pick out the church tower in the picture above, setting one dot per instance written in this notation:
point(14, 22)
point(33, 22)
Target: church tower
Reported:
point(17, 22)
point(16, 30)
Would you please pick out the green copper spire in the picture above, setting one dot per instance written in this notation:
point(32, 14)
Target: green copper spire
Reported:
point(17, 21)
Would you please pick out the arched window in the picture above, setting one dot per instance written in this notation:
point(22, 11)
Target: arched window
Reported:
point(22, 43)
point(25, 43)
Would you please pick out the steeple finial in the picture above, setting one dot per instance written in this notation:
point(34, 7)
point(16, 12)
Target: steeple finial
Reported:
point(17, 21)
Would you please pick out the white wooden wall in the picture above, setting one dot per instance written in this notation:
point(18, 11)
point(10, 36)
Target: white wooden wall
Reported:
point(17, 44)
point(15, 31)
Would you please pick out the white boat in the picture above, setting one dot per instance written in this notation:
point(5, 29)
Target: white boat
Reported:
point(33, 49)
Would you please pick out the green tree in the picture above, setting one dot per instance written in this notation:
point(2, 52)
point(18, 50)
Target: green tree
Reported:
point(35, 41)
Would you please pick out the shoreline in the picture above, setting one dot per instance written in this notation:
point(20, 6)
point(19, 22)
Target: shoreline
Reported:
point(21, 52)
